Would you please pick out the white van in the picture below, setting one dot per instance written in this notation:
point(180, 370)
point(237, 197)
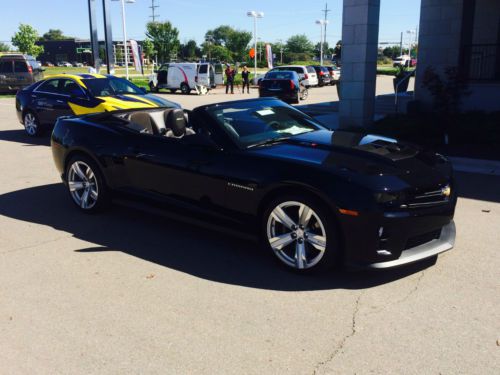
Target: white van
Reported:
point(182, 76)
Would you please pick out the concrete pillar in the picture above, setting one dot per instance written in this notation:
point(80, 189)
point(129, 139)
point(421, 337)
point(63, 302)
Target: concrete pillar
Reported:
point(360, 24)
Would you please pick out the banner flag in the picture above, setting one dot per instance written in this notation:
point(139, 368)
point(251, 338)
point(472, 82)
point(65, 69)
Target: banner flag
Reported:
point(269, 56)
point(135, 55)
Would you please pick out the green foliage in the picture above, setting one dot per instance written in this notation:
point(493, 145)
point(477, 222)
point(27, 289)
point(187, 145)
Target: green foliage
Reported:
point(218, 52)
point(190, 50)
point(25, 40)
point(4, 47)
point(165, 39)
point(148, 48)
point(54, 34)
point(299, 44)
point(235, 41)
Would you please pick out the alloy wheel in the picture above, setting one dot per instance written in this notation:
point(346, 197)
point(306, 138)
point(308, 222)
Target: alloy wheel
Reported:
point(296, 234)
point(30, 124)
point(82, 184)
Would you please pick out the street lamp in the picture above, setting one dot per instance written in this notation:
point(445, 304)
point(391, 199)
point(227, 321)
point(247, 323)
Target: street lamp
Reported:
point(322, 24)
point(410, 32)
point(124, 26)
point(255, 15)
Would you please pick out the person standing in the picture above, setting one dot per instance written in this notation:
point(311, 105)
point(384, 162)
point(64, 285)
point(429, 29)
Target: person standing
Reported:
point(245, 75)
point(229, 78)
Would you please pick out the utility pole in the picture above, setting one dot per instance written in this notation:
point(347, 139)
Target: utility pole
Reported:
point(401, 45)
point(153, 7)
point(281, 50)
point(326, 10)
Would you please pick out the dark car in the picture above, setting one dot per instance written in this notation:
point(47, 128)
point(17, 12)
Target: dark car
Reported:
point(18, 71)
point(39, 105)
point(316, 197)
point(323, 75)
point(285, 85)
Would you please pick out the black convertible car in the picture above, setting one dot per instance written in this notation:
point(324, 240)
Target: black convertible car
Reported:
point(316, 197)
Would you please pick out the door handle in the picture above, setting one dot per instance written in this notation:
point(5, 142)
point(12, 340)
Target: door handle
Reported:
point(59, 101)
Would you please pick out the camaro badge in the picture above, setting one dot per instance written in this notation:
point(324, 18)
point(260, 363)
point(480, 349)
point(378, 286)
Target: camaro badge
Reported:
point(446, 191)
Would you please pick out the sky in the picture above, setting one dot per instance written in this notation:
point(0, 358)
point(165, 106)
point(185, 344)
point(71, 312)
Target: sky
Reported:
point(282, 18)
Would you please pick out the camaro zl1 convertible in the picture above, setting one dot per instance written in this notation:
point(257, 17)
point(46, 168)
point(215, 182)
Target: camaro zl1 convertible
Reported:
point(40, 104)
point(316, 197)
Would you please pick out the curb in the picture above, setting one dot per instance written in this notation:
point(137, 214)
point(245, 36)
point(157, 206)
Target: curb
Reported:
point(480, 166)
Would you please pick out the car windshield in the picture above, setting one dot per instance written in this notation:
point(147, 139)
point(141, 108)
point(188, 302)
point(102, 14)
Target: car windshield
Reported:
point(251, 123)
point(111, 86)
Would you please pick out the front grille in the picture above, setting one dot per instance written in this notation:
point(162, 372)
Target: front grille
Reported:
point(422, 239)
point(426, 198)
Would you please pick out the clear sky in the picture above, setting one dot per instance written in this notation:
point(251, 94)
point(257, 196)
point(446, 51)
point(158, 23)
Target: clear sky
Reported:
point(193, 18)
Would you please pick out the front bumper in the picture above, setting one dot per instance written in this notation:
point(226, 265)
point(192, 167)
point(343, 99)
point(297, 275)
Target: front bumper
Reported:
point(445, 242)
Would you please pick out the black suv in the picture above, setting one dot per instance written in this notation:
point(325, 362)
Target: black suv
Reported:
point(18, 71)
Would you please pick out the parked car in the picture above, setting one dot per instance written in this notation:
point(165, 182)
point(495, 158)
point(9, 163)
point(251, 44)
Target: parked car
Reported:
point(315, 197)
point(76, 64)
point(306, 73)
point(48, 63)
point(284, 85)
point(64, 64)
point(323, 75)
point(18, 71)
point(403, 60)
point(39, 105)
point(334, 74)
point(182, 76)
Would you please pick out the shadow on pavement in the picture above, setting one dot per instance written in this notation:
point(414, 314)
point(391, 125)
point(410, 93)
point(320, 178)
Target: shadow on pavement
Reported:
point(20, 136)
point(208, 254)
point(478, 186)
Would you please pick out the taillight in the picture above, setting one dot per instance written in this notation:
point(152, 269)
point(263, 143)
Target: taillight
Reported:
point(321, 73)
point(306, 76)
point(292, 85)
point(30, 69)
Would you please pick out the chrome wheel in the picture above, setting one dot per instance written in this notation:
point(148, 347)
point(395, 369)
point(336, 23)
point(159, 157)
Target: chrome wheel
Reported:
point(305, 94)
point(82, 184)
point(296, 234)
point(30, 124)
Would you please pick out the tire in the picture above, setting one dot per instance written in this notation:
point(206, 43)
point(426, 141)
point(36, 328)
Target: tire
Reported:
point(185, 89)
point(86, 185)
point(32, 125)
point(301, 234)
point(153, 88)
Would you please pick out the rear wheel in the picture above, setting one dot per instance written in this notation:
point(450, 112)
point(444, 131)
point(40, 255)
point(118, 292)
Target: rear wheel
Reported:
point(32, 124)
point(185, 88)
point(304, 94)
point(301, 234)
point(86, 185)
point(153, 88)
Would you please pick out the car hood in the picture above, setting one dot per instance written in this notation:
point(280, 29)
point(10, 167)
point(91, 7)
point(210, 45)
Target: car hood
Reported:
point(352, 154)
point(117, 102)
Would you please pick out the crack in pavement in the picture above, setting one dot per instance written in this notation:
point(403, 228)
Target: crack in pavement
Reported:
point(415, 288)
point(34, 245)
point(344, 340)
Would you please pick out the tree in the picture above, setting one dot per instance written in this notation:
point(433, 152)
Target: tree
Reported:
point(25, 40)
point(148, 48)
point(54, 34)
point(235, 41)
point(217, 52)
point(4, 47)
point(190, 50)
point(165, 39)
point(299, 44)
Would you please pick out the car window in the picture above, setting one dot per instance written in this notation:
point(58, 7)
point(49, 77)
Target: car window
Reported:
point(218, 69)
point(50, 86)
point(203, 69)
point(20, 66)
point(6, 66)
point(111, 86)
point(280, 75)
point(251, 123)
point(71, 88)
point(310, 69)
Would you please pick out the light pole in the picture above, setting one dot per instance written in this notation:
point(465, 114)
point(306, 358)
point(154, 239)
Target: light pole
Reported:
point(322, 24)
point(255, 15)
point(209, 39)
point(281, 51)
point(124, 26)
point(410, 32)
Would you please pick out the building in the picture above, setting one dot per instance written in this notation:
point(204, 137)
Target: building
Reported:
point(464, 34)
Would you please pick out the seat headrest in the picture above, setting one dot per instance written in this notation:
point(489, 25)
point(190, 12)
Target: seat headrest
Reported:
point(177, 122)
point(144, 120)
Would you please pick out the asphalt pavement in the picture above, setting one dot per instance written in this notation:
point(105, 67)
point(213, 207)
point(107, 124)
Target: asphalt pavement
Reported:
point(128, 292)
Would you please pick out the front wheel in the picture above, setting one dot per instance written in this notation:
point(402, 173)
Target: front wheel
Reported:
point(153, 88)
point(301, 234)
point(185, 89)
point(305, 94)
point(86, 185)
point(32, 124)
